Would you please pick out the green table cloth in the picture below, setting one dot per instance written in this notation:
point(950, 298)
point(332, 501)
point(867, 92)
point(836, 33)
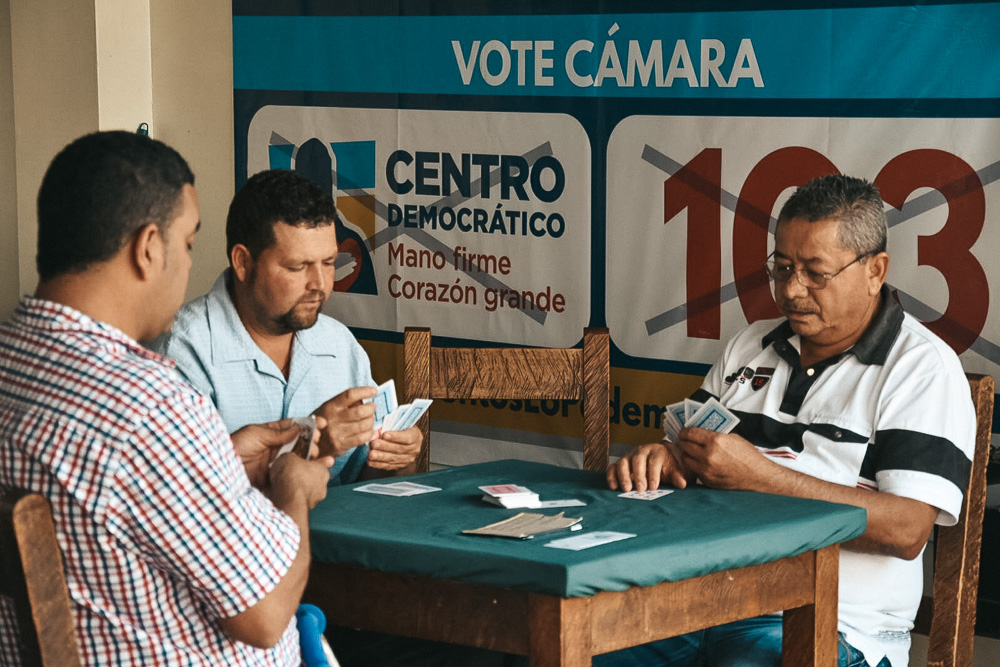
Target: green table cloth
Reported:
point(688, 533)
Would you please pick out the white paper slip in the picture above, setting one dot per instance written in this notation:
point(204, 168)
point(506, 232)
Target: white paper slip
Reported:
point(646, 495)
point(569, 502)
point(594, 538)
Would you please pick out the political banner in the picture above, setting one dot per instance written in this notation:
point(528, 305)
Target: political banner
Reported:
point(510, 175)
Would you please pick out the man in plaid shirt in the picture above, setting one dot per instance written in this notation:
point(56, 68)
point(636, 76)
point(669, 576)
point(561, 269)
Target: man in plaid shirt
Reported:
point(181, 546)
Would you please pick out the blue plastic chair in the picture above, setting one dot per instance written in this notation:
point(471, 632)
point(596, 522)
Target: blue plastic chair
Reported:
point(316, 651)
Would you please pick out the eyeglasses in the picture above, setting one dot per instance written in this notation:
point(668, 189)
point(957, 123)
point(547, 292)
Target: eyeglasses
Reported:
point(781, 273)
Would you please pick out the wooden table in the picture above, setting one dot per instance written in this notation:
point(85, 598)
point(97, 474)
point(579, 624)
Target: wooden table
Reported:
point(383, 589)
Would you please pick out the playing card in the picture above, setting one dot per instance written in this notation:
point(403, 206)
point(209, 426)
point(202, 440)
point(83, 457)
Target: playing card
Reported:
point(384, 490)
point(384, 400)
point(713, 416)
point(677, 411)
point(301, 444)
point(672, 424)
point(406, 419)
point(569, 502)
point(414, 488)
point(690, 407)
point(646, 495)
point(587, 540)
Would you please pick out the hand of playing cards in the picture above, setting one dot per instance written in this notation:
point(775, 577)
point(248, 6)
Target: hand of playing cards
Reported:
point(389, 416)
point(710, 415)
point(303, 443)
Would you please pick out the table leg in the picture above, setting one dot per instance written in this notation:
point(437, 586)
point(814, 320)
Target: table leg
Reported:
point(810, 631)
point(559, 631)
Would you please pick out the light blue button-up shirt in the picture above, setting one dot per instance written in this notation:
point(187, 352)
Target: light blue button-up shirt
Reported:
point(214, 351)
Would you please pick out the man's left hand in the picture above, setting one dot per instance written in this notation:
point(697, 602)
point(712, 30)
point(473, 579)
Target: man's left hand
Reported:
point(723, 460)
point(395, 450)
point(256, 444)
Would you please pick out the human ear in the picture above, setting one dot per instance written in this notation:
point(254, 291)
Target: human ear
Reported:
point(878, 270)
point(147, 251)
point(241, 261)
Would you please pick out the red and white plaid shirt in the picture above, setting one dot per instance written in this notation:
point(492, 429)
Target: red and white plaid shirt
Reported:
point(160, 530)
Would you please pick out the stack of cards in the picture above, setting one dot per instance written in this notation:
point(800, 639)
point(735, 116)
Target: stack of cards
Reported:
point(390, 416)
point(710, 415)
point(525, 525)
point(510, 496)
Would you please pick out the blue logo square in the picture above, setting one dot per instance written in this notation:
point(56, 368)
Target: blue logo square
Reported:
point(355, 164)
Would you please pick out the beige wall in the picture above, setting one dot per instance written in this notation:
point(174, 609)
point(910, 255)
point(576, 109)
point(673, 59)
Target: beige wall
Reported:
point(73, 67)
point(192, 45)
point(9, 280)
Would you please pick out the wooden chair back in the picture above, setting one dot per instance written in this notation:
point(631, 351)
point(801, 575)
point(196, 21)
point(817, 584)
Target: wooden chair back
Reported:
point(524, 373)
point(32, 580)
point(949, 617)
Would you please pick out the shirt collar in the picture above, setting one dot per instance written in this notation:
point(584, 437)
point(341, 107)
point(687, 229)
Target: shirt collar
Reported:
point(874, 345)
point(232, 342)
point(44, 315)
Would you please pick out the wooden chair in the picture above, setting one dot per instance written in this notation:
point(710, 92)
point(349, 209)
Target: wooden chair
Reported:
point(31, 576)
point(525, 373)
point(949, 617)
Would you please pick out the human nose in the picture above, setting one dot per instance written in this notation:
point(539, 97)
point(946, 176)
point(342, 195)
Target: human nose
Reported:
point(795, 286)
point(317, 278)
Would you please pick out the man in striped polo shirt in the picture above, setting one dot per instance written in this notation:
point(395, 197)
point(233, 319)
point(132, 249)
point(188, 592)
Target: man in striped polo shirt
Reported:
point(181, 546)
point(845, 399)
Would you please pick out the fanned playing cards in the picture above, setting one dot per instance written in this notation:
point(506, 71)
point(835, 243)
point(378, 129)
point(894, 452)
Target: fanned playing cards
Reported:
point(710, 415)
point(389, 415)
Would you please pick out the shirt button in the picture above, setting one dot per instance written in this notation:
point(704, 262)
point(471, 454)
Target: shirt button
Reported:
point(810, 372)
point(838, 435)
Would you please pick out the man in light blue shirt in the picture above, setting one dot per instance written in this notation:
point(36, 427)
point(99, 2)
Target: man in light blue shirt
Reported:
point(258, 345)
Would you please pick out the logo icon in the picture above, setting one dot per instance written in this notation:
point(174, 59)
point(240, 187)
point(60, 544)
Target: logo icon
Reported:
point(346, 171)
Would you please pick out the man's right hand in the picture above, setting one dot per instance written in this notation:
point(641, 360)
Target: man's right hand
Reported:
point(294, 480)
point(645, 468)
point(349, 421)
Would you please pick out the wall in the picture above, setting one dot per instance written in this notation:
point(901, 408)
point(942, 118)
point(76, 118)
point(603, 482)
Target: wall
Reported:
point(73, 68)
point(192, 46)
point(9, 280)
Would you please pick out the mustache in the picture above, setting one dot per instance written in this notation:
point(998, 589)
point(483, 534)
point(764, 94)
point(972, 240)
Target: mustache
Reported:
point(797, 306)
point(314, 296)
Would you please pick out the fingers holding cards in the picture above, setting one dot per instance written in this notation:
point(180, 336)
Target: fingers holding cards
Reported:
point(710, 415)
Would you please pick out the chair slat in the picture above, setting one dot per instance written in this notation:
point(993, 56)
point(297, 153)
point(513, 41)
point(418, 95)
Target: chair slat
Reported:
point(952, 610)
point(516, 373)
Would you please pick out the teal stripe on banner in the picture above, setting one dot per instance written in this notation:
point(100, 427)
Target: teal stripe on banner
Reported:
point(912, 52)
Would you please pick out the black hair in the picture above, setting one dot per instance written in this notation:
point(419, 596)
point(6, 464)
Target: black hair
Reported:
point(855, 202)
point(98, 192)
point(272, 196)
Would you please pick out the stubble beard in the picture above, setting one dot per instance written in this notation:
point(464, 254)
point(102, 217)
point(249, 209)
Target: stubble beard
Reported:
point(297, 320)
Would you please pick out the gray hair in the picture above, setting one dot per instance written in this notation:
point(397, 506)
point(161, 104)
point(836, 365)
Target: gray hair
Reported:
point(855, 202)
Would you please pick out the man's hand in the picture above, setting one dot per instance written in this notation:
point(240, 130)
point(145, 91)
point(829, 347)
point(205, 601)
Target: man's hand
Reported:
point(256, 445)
point(349, 421)
point(723, 460)
point(645, 468)
point(395, 450)
point(295, 480)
